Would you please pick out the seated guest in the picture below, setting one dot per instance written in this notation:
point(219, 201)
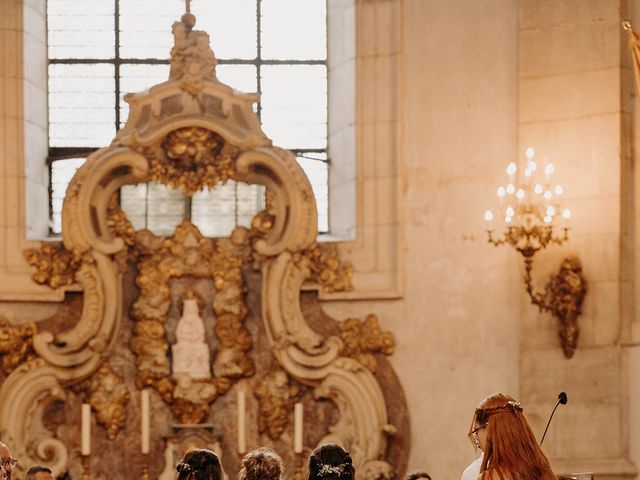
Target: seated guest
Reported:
point(510, 449)
point(200, 464)
point(417, 475)
point(39, 472)
point(261, 464)
point(6, 461)
point(330, 462)
point(473, 470)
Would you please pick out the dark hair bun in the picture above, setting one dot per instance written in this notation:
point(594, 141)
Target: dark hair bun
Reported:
point(330, 462)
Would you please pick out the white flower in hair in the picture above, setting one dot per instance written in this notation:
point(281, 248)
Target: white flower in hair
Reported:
point(330, 470)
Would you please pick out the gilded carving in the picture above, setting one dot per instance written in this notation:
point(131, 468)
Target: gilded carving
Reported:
point(55, 265)
point(327, 269)
point(188, 253)
point(276, 396)
point(16, 344)
point(191, 159)
point(108, 396)
point(362, 339)
point(563, 297)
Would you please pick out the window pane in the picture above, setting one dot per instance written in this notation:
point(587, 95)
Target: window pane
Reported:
point(81, 105)
point(318, 173)
point(133, 201)
point(294, 105)
point(166, 209)
point(62, 171)
point(145, 27)
point(294, 29)
point(81, 29)
point(250, 200)
point(136, 78)
point(240, 77)
point(231, 25)
point(214, 212)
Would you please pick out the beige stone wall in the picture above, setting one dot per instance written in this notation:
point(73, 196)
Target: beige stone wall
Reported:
point(572, 105)
point(447, 93)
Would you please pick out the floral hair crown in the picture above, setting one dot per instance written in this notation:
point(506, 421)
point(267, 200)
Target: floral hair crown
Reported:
point(183, 467)
point(511, 406)
point(330, 470)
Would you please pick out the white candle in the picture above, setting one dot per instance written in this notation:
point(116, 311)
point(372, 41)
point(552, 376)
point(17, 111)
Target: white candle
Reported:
point(144, 420)
point(85, 429)
point(297, 428)
point(242, 441)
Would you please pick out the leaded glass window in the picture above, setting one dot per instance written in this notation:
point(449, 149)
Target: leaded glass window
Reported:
point(101, 49)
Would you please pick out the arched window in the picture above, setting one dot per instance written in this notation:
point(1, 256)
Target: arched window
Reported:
point(99, 50)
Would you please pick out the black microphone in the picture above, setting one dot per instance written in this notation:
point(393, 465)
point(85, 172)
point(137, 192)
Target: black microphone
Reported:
point(562, 399)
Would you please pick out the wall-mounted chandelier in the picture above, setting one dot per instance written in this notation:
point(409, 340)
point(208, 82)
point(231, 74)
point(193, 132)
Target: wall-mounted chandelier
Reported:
point(530, 217)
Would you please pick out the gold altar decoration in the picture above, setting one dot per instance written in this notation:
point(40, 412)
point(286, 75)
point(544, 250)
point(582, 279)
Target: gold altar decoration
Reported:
point(188, 253)
point(276, 395)
point(16, 344)
point(108, 396)
point(55, 265)
point(192, 158)
point(364, 338)
point(530, 206)
point(327, 269)
point(194, 132)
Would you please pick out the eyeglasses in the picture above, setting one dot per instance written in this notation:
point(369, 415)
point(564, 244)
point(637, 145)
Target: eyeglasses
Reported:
point(474, 435)
point(9, 462)
point(477, 429)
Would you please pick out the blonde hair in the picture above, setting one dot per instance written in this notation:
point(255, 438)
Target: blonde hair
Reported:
point(511, 449)
point(261, 464)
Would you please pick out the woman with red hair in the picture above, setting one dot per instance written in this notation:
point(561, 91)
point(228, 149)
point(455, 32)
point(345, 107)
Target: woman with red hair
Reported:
point(511, 451)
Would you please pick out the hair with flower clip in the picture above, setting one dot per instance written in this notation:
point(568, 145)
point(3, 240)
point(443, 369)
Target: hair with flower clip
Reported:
point(330, 462)
point(510, 448)
point(200, 464)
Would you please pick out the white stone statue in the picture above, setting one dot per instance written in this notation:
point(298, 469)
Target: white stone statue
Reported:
point(191, 356)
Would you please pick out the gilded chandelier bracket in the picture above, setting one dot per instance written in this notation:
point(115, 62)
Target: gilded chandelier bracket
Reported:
point(531, 212)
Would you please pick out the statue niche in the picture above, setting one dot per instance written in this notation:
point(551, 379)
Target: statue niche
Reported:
point(190, 353)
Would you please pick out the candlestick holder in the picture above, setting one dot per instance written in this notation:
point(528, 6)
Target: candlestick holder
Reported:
point(86, 467)
point(298, 466)
point(145, 467)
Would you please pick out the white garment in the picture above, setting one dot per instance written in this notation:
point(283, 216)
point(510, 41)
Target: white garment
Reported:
point(472, 472)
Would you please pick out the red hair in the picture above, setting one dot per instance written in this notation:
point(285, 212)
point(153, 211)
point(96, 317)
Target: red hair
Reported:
point(511, 451)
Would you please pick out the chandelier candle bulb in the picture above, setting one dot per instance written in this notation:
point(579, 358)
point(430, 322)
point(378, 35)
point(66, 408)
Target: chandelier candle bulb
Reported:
point(530, 153)
point(511, 171)
point(242, 408)
point(144, 420)
point(297, 428)
point(488, 216)
point(85, 429)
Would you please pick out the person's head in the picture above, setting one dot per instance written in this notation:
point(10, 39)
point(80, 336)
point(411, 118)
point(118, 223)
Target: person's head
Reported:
point(417, 475)
point(261, 464)
point(501, 431)
point(199, 464)
point(330, 462)
point(39, 472)
point(7, 461)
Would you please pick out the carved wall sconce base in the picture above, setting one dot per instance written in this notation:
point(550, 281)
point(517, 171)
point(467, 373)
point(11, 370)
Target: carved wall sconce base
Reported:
point(562, 296)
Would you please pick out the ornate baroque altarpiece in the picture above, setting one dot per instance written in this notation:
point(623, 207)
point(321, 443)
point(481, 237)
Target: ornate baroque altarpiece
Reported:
point(258, 330)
